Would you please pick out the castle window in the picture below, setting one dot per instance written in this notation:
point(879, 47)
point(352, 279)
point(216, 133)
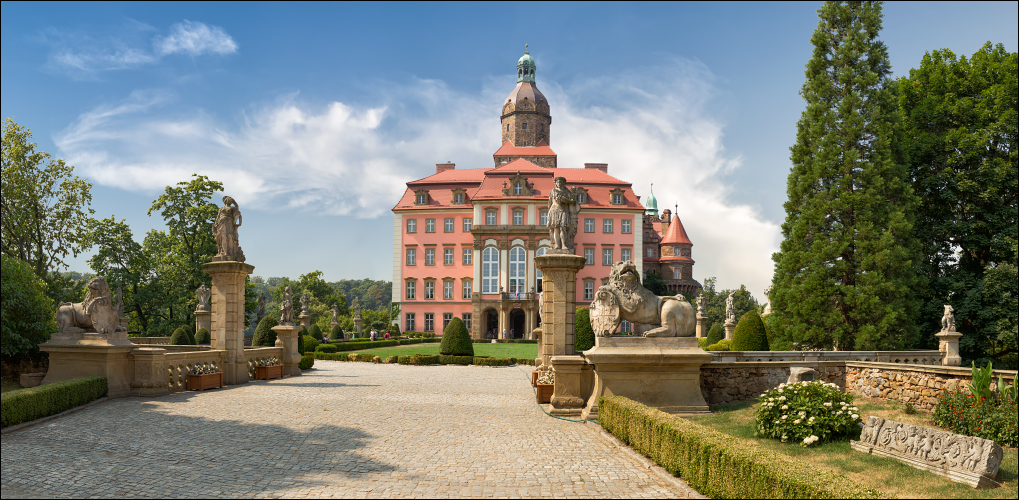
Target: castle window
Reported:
point(467, 319)
point(447, 291)
point(675, 273)
point(468, 258)
point(525, 126)
point(410, 323)
point(447, 256)
point(429, 289)
point(466, 289)
point(650, 252)
point(582, 198)
point(625, 254)
point(544, 217)
point(468, 224)
point(490, 217)
point(606, 257)
point(588, 225)
point(448, 225)
point(589, 256)
point(523, 144)
point(606, 225)
point(429, 256)
point(411, 256)
point(412, 225)
point(588, 290)
point(625, 226)
point(458, 198)
point(518, 217)
point(490, 270)
point(411, 289)
point(429, 322)
point(542, 128)
point(507, 127)
point(429, 225)
point(518, 189)
point(517, 269)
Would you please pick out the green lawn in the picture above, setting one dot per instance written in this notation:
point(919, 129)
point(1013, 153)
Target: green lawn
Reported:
point(523, 351)
point(891, 477)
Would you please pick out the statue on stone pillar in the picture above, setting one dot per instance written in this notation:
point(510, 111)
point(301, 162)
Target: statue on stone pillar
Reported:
point(305, 299)
point(203, 294)
point(700, 305)
point(730, 309)
point(225, 231)
point(336, 313)
point(357, 308)
point(119, 303)
point(562, 222)
point(767, 297)
point(261, 306)
point(948, 320)
point(287, 308)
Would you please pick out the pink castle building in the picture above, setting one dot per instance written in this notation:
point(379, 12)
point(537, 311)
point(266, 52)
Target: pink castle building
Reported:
point(464, 240)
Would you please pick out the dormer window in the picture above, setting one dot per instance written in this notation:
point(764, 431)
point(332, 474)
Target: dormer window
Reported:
point(458, 198)
point(421, 197)
point(617, 199)
point(518, 189)
point(582, 198)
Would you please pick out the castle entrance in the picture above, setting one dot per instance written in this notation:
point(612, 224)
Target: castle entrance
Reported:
point(490, 323)
point(517, 322)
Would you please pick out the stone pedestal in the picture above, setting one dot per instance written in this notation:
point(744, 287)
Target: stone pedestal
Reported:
point(149, 372)
point(702, 326)
point(305, 320)
point(729, 328)
point(286, 337)
point(203, 319)
point(73, 355)
point(228, 316)
point(357, 326)
point(949, 344)
point(661, 372)
point(568, 397)
point(559, 303)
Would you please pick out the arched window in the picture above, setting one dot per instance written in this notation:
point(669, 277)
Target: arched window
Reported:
point(490, 270)
point(517, 270)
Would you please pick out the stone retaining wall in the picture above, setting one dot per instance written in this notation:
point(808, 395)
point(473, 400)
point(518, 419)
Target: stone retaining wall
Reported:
point(725, 383)
point(919, 385)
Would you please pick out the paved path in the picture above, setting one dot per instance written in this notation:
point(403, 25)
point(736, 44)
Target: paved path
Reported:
point(341, 430)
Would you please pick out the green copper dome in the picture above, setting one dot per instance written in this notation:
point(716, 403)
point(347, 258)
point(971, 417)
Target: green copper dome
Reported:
point(651, 207)
point(526, 67)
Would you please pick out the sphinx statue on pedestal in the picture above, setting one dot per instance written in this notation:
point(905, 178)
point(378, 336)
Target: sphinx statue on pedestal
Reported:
point(624, 298)
point(97, 313)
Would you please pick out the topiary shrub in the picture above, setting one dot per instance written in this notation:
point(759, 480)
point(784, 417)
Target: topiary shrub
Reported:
point(26, 310)
point(202, 336)
point(315, 332)
point(715, 334)
point(306, 362)
point(264, 336)
point(583, 337)
point(336, 333)
point(308, 344)
point(455, 340)
point(750, 334)
point(190, 330)
point(721, 345)
point(180, 337)
point(702, 343)
point(329, 348)
point(807, 412)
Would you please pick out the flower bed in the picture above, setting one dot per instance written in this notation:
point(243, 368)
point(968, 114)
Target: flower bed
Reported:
point(988, 418)
point(807, 412)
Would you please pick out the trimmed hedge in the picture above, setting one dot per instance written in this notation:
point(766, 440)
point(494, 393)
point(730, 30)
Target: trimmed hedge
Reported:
point(716, 464)
point(180, 337)
point(715, 333)
point(721, 345)
point(307, 361)
point(309, 344)
point(316, 332)
point(483, 361)
point(750, 334)
point(503, 341)
point(455, 340)
point(455, 360)
point(330, 348)
point(336, 333)
point(583, 336)
point(25, 405)
point(202, 336)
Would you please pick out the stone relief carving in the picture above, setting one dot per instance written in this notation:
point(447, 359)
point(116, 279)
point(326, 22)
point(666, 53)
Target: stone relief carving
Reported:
point(225, 231)
point(203, 294)
point(948, 320)
point(305, 300)
point(965, 459)
point(562, 217)
point(624, 298)
point(287, 308)
point(96, 313)
point(730, 310)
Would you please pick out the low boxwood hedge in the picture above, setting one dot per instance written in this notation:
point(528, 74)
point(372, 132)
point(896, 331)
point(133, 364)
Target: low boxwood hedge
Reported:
point(455, 360)
point(716, 464)
point(485, 361)
point(25, 405)
point(307, 361)
point(330, 348)
point(505, 341)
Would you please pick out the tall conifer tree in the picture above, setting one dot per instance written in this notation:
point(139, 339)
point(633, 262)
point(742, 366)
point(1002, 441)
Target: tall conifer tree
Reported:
point(844, 276)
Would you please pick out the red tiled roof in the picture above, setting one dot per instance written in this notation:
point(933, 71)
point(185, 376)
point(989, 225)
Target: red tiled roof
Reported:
point(462, 175)
point(508, 149)
point(676, 234)
point(519, 165)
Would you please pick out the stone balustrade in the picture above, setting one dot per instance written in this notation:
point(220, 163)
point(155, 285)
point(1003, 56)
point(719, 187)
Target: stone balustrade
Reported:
point(903, 357)
point(149, 340)
point(255, 354)
point(178, 364)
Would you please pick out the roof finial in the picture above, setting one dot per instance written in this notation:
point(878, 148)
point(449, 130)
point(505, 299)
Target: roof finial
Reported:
point(525, 48)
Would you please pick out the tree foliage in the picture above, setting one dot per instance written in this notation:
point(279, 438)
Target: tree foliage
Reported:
point(714, 301)
point(844, 275)
point(656, 284)
point(960, 121)
point(583, 336)
point(26, 313)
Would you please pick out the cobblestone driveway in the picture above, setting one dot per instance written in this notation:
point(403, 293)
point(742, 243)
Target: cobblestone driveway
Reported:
point(341, 430)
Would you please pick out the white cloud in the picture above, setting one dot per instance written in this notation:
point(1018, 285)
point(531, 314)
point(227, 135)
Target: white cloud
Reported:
point(131, 45)
point(195, 39)
point(355, 158)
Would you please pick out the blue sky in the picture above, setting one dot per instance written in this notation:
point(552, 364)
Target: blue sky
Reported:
point(315, 115)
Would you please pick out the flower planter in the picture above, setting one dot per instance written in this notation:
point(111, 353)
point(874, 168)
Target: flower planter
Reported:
point(544, 392)
point(534, 378)
point(268, 372)
point(205, 381)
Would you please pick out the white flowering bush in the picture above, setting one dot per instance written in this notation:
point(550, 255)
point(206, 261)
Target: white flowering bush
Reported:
point(806, 413)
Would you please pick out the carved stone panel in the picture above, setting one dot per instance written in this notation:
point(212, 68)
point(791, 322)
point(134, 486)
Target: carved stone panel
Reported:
point(963, 459)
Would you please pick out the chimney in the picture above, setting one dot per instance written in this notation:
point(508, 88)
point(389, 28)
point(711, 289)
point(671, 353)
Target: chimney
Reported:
point(604, 167)
point(442, 167)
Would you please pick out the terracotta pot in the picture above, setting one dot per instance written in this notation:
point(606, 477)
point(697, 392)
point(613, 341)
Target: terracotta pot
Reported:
point(544, 392)
point(205, 381)
point(268, 372)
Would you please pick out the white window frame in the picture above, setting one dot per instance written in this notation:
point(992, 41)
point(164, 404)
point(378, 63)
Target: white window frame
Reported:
point(447, 290)
point(467, 289)
point(543, 217)
point(429, 290)
point(412, 226)
point(518, 217)
point(412, 256)
point(625, 254)
point(448, 224)
point(446, 318)
point(588, 225)
point(411, 291)
point(606, 256)
point(468, 224)
point(467, 317)
point(468, 257)
point(429, 256)
point(447, 256)
point(588, 290)
point(517, 270)
point(429, 225)
point(626, 226)
point(588, 256)
point(491, 217)
point(606, 225)
point(409, 323)
point(429, 322)
point(490, 270)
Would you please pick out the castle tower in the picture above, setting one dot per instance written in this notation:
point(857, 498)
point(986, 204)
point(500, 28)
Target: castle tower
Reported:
point(526, 120)
point(676, 261)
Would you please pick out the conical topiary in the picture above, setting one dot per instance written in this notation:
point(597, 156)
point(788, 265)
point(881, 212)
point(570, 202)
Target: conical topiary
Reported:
point(264, 336)
point(455, 340)
point(300, 339)
point(316, 332)
point(190, 330)
point(336, 333)
point(180, 337)
point(715, 334)
point(750, 334)
point(202, 336)
point(583, 336)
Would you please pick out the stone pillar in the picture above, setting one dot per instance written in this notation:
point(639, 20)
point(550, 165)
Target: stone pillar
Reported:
point(286, 337)
point(729, 328)
point(357, 325)
point(149, 372)
point(305, 321)
point(949, 345)
point(702, 326)
point(559, 304)
point(203, 319)
point(228, 316)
